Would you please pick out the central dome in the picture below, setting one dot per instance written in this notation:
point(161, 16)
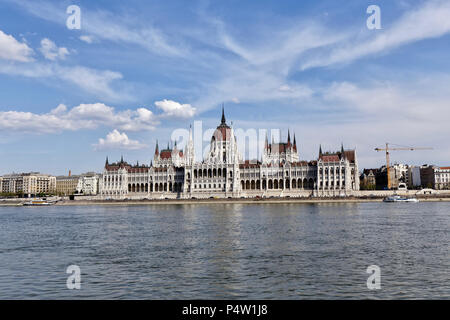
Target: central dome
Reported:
point(223, 131)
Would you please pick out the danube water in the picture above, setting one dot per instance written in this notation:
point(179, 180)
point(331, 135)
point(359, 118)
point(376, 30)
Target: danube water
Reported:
point(232, 251)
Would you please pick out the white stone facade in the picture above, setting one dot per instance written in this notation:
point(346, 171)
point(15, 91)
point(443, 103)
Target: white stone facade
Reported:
point(88, 185)
point(223, 174)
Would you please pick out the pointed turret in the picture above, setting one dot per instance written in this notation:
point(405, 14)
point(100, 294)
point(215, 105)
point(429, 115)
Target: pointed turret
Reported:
point(121, 158)
point(156, 148)
point(320, 151)
point(106, 162)
point(289, 139)
point(223, 121)
point(295, 143)
point(266, 143)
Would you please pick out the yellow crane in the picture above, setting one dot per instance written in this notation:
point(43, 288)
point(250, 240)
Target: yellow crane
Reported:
point(387, 149)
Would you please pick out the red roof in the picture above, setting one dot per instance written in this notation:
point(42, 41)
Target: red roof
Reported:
point(279, 147)
point(350, 155)
point(222, 133)
point(248, 164)
point(330, 158)
point(166, 154)
point(138, 169)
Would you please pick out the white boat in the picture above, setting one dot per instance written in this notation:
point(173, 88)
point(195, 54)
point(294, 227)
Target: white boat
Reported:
point(38, 203)
point(397, 198)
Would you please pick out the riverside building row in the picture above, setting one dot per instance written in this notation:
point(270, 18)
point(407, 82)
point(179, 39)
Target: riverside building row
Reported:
point(29, 184)
point(223, 173)
point(33, 184)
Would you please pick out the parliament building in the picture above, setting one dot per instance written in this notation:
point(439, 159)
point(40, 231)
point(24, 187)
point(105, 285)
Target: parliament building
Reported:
point(174, 173)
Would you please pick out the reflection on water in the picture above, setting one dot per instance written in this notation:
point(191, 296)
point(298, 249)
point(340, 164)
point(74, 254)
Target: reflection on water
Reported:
point(273, 251)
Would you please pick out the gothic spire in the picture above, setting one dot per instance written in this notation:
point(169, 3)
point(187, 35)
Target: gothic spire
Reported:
point(289, 138)
point(320, 150)
point(106, 162)
point(295, 143)
point(156, 148)
point(223, 115)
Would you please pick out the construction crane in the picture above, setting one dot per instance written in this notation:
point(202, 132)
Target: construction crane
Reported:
point(387, 149)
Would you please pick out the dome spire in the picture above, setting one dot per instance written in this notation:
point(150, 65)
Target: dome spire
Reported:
point(223, 115)
point(156, 148)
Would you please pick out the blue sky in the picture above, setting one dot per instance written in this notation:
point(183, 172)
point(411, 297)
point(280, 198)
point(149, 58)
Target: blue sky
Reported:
point(137, 71)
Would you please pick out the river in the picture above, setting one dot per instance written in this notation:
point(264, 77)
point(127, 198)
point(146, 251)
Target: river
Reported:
point(231, 251)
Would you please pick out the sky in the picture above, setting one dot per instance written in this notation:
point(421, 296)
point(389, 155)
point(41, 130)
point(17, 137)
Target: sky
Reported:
point(137, 72)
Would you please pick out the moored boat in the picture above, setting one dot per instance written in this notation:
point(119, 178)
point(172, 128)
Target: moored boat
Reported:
point(397, 198)
point(38, 203)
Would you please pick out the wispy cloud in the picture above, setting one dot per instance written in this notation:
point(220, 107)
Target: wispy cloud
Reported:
point(107, 26)
point(427, 21)
point(101, 83)
point(87, 39)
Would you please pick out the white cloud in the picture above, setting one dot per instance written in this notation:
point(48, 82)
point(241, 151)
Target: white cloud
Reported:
point(175, 109)
point(51, 51)
point(285, 88)
point(83, 116)
point(117, 140)
point(11, 49)
point(87, 39)
point(60, 109)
